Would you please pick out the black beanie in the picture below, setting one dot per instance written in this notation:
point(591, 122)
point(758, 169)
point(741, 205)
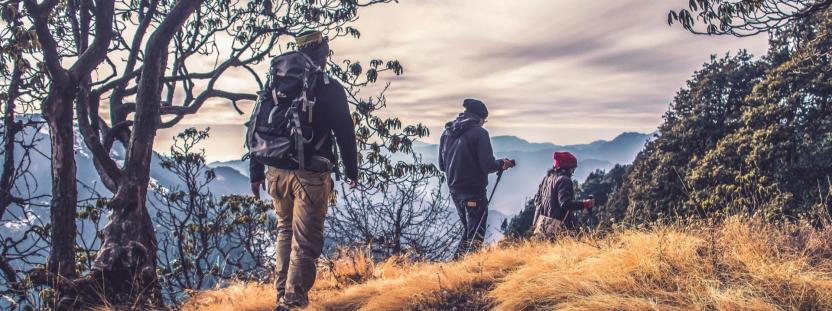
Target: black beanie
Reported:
point(476, 107)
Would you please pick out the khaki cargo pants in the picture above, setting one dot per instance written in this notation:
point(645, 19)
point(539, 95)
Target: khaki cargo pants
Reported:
point(300, 203)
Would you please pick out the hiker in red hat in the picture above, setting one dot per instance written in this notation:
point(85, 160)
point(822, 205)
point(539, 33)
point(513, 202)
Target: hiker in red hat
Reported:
point(555, 200)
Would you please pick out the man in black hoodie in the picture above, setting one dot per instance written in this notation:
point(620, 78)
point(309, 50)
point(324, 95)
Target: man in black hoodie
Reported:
point(466, 157)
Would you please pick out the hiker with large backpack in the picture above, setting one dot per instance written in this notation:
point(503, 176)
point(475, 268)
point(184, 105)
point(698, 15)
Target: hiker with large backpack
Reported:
point(466, 157)
point(555, 202)
point(295, 120)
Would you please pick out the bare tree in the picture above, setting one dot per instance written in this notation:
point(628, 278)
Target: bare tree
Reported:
point(23, 237)
point(205, 241)
point(57, 43)
point(745, 17)
point(20, 85)
point(22, 242)
point(57, 106)
point(412, 216)
point(146, 58)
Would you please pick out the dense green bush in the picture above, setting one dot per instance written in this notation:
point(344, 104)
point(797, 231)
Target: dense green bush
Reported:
point(745, 135)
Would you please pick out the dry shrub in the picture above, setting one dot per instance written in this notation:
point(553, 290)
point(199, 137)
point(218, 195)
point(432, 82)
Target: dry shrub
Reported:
point(349, 267)
point(739, 265)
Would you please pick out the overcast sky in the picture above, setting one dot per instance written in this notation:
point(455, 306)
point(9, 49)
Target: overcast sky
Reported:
point(565, 71)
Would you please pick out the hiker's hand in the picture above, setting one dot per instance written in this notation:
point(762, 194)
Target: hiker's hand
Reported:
point(353, 184)
point(589, 204)
point(255, 189)
point(507, 163)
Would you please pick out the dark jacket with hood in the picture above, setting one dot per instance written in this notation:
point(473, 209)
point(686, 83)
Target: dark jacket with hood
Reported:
point(556, 198)
point(332, 117)
point(465, 155)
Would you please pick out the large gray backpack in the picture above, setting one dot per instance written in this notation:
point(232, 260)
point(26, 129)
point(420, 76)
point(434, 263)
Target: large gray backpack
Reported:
point(280, 130)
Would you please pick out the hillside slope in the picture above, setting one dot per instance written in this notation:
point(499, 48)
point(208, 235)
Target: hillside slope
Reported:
point(739, 265)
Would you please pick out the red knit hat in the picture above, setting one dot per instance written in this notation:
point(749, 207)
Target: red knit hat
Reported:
point(565, 160)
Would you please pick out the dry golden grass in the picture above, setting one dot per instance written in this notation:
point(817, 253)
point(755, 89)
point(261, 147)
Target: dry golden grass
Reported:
point(741, 265)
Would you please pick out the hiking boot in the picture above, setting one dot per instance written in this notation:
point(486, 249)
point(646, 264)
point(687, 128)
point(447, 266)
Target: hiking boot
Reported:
point(295, 300)
point(282, 306)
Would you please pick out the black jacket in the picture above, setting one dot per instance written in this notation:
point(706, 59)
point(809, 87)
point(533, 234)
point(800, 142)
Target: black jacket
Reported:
point(556, 198)
point(331, 115)
point(465, 155)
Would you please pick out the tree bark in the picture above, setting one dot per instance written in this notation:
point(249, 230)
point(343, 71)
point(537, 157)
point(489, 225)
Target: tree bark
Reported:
point(58, 114)
point(125, 268)
point(11, 129)
point(57, 110)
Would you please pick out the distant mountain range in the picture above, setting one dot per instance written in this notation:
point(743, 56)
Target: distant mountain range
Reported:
point(228, 181)
point(517, 185)
point(622, 149)
point(533, 159)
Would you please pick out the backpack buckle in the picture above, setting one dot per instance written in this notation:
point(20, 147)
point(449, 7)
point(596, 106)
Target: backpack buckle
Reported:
point(311, 105)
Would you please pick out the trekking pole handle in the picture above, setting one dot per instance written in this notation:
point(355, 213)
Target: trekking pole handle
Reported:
point(506, 164)
point(511, 163)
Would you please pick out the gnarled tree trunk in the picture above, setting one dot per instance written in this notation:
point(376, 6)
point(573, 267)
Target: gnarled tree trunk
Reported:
point(124, 271)
point(58, 111)
point(58, 114)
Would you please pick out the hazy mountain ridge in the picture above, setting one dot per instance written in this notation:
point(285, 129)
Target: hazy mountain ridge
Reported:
point(621, 149)
point(232, 176)
point(238, 165)
point(229, 180)
point(533, 160)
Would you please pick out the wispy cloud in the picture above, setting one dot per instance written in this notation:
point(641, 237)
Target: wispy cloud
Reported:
point(566, 71)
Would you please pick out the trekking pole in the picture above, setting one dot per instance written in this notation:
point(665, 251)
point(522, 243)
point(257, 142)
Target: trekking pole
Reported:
point(497, 182)
point(482, 220)
point(484, 215)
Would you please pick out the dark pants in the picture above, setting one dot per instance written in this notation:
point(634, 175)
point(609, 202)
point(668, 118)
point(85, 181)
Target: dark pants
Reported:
point(473, 214)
